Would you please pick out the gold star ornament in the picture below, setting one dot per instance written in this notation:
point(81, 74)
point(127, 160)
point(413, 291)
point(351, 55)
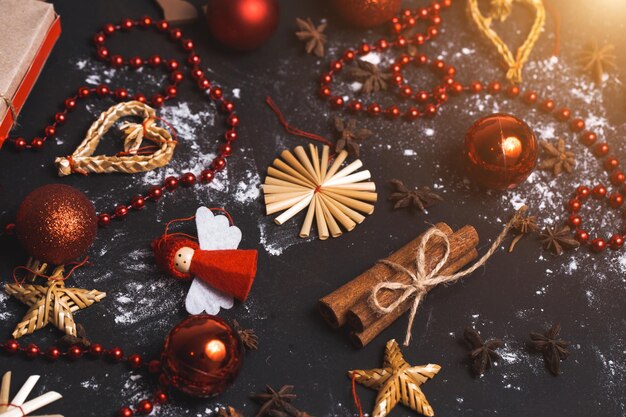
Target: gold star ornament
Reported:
point(397, 381)
point(51, 303)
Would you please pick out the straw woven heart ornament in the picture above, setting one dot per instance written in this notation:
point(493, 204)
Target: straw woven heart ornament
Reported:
point(501, 10)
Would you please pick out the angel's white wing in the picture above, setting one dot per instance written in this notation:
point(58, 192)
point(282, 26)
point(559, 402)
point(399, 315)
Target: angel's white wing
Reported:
point(214, 233)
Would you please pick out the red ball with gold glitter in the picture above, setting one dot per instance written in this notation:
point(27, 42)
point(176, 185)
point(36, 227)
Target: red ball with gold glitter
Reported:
point(367, 13)
point(242, 24)
point(202, 356)
point(56, 224)
point(500, 151)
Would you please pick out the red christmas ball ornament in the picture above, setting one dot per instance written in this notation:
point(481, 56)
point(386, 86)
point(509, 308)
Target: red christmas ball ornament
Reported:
point(202, 356)
point(56, 224)
point(500, 151)
point(242, 24)
point(366, 13)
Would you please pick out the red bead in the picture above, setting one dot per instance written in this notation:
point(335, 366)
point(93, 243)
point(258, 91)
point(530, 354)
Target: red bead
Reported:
point(476, 87)
point(355, 106)
point(187, 44)
point(547, 106)
point(50, 131)
point(392, 112)
point(581, 236)
point(176, 34)
point(171, 91)
point(11, 346)
point(325, 92)
point(563, 114)
point(226, 149)
point(121, 210)
point(121, 94)
point(430, 110)
point(59, 118)
point(588, 138)
point(364, 49)
point(127, 24)
point(176, 76)
point(36, 143)
point(99, 38)
point(513, 91)
point(601, 149)
point(125, 412)
point(160, 397)
point(617, 177)
point(108, 28)
point(233, 120)
point(406, 91)
point(422, 96)
point(83, 92)
point(145, 407)
point(188, 179)
point(216, 93)
point(116, 354)
point(457, 88)
point(193, 59)
point(616, 200)
point(172, 65)
point(102, 90)
point(20, 143)
point(163, 25)
point(616, 242)
point(138, 202)
point(96, 350)
point(170, 183)
point(135, 62)
point(155, 193)
point(134, 361)
point(439, 65)
point(412, 113)
point(230, 135)
point(31, 351)
point(157, 100)
point(53, 353)
point(349, 55)
point(575, 221)
point(203, 84)
point(74, 352)
point(336, 102)
point(573, 205)
point(102, 53)
point(70, 104)
point(583, 192)
point(577, 125)
point(610, 163)
point(228, 106)
point(140, 98)
point(599, 191)
point(154, 366)
point(495, 87)
point(218, 163)
point(598, 244)
point(104, 219)
point(155, 61)
point(207, 176)
point(117, 60)
point(197, 74)
point(9, 229)
point(530, 97)
point(145, 21)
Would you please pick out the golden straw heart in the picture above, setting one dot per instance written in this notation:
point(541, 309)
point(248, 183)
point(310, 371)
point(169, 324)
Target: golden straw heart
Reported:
point(500, 10)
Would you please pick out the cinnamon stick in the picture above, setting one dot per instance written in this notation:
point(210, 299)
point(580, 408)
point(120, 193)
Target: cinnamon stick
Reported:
point(335, 305)
point(361, 339)
point(362, 314)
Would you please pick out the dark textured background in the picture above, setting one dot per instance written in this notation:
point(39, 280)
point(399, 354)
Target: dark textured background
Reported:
point(511, 296)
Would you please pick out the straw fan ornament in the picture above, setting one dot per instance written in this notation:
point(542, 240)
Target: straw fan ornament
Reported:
point(335, 197)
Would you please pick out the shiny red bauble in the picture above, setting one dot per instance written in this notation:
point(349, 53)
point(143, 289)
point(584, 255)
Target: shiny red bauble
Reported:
point(56, 224)
point(500, 151)
point(366, 13)
point(202, 356)
point(242, 24)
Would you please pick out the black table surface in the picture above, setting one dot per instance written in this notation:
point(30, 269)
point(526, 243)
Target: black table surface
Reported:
point(509, 297)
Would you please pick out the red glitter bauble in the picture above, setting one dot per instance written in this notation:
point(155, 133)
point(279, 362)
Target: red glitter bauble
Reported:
point(500, 151)
point(202, 356)
point(56, 224)
point(242, 24)
point(367, 13)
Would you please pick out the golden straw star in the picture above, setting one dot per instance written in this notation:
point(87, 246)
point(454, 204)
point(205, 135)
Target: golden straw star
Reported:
point(397, 382)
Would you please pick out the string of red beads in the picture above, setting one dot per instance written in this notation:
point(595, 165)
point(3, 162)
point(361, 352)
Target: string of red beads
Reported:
point(176, 76)
point(432, 100)
point(95, 351)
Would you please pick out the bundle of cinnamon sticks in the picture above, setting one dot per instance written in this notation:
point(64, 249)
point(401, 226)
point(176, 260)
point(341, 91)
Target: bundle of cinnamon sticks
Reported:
point(351, 305)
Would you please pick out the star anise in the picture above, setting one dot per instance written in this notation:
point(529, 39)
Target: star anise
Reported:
point(558, 240)
point(278, 403)
point(350, 136)
point(483, 354)
point(313, 36)
point(419, 199)
point(80, 339)
point(248, 337)
point(522, 225)
point(372, 78)
point(559, 159)
point(228, 412)
point(596, 59)
point(553, 348)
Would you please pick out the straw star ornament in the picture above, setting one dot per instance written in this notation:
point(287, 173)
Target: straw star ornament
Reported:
point(397, 382)
point(336, 197)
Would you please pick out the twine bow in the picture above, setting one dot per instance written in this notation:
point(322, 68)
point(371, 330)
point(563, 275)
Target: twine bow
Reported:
point(421, 280)
point(134, 158)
